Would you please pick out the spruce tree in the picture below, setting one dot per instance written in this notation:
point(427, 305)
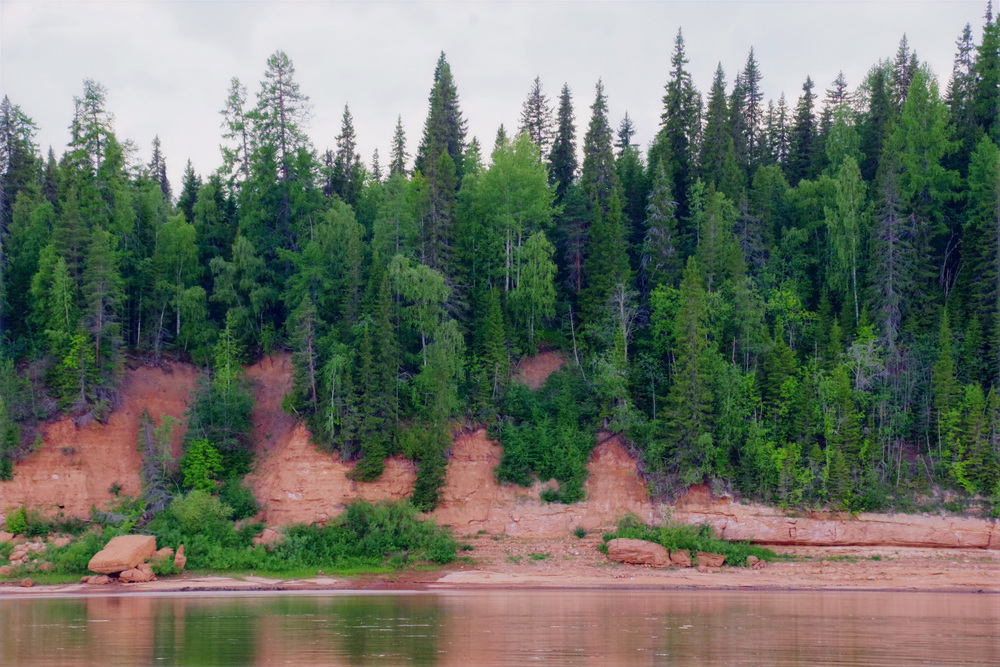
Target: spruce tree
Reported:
point(680, 120)
point(689, 412)
point(536, 118)
point(562, 158)
point(801, 157)
point(347, 174)
point(717, 161)
point(444, 130)
point(398, 157)
point(190, 184)
point(986, 93)
point(598, 177)
point(661, 247)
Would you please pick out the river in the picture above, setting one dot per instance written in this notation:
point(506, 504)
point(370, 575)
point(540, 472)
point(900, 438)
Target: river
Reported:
point(472, 628)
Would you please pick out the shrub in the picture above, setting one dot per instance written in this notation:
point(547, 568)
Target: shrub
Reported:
point(240, 498)
point(198, 511)
point(201, 465)
point(690, 538)
point(17, 521)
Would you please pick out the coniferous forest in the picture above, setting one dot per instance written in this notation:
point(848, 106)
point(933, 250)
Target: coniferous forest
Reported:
point(796, 300)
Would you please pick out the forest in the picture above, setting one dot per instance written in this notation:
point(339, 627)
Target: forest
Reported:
point(795, 300)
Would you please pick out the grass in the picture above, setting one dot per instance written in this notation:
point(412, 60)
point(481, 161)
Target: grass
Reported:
point(690, 538)
point(514, 559)
point(539, 556)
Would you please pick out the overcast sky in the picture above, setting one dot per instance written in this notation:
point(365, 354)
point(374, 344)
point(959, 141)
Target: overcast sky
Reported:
point(167, 64)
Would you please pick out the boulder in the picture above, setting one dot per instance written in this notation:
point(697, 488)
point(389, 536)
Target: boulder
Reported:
point(638, 552)
point(5, 570)
point(61, 541)
point(27, 583)
point(122, 553)
point(99, 580)
point(5, 536)
point(755, 563)
point(680, 558)
point(710, 560)
point(137, 576)
point(45, 567)
point(180, 560)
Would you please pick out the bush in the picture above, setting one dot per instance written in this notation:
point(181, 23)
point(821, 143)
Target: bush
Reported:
point(542, 436)
point(198, 511)
point(240, 498)
point(17, 521)
point(201, 465)
point(690, 538)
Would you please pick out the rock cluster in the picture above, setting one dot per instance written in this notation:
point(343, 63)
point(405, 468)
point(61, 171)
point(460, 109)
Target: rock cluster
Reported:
point(642, 552)
point(125, 558)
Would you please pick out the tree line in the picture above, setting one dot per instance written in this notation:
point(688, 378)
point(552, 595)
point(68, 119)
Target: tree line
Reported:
point(801, 303)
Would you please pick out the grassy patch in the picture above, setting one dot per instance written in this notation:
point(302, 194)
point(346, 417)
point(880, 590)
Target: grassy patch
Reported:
point(539, 555)
point(690, 538)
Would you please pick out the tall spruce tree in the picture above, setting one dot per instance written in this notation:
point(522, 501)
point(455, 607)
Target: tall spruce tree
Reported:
point(536, 118)
point(802, 149)
point(444, 129)
point(562, 158)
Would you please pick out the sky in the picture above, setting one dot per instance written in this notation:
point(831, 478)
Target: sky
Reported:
point(167, 64)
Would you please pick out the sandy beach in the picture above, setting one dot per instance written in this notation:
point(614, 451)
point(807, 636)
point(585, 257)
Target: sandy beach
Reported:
point(503, 562)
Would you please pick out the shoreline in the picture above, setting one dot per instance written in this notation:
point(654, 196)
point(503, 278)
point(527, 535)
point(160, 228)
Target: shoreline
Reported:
point(502, 563)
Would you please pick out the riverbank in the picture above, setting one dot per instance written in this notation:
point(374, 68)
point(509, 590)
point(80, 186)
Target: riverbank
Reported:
point(502, 562)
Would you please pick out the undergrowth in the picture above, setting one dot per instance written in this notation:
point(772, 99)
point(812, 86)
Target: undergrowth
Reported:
point(691, 538)
point(546, 435)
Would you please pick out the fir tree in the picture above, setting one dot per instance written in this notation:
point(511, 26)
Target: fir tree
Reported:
point(718, 164)
point(801, 156)
point(444, 129)
point(536, 118)
point(399, 157)
point(347, 174)
point(190, 185)
point(661, 248)
point(562, 158)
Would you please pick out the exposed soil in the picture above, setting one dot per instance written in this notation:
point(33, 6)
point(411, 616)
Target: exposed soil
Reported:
point(534, 371)
point(75, 467)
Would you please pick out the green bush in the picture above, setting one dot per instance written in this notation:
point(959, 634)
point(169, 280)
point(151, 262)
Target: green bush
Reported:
point(201, 465)
point(546, 435)
point(17, 521)
point(198, 511)
point(240, 498)
point(690, 538)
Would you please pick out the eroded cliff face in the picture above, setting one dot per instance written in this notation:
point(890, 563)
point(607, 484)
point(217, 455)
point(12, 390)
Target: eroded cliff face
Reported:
point(298, 483)
point(75, 467)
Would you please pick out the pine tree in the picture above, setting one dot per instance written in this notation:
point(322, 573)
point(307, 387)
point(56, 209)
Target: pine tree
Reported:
point(944, 383)
point(444, 129)
point(281, 114)
point(718, 164)
point(891, 265)
point(959, 98)
point(661, 247)
point(190, 185)
point(753, 112)
point(158, 169)
point(598, 177)
point(626, 130)
point(347, 174)
point(986, 93)
point(399, 156)
point(673, 149)
point(801, 157)
point(103, 294)
point(536, 118)
point(562, 158)
point(689, 412)
point(981, 246)
point(237, 123)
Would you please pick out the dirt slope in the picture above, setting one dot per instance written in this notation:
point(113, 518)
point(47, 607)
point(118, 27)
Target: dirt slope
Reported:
point(534, 371)
point(293, 479)
point(75, 467)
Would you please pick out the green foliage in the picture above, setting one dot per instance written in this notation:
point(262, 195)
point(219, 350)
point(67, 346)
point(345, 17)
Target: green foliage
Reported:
point(239, 497)
point(199, 512)
point(201, 465)
point(545, 434)
point(17, 521)
point(677, 537)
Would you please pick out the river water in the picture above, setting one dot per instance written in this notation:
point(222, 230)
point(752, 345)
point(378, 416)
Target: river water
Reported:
point(522, 627)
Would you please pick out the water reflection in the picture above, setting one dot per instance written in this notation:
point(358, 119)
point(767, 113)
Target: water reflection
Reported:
point(509, 627)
